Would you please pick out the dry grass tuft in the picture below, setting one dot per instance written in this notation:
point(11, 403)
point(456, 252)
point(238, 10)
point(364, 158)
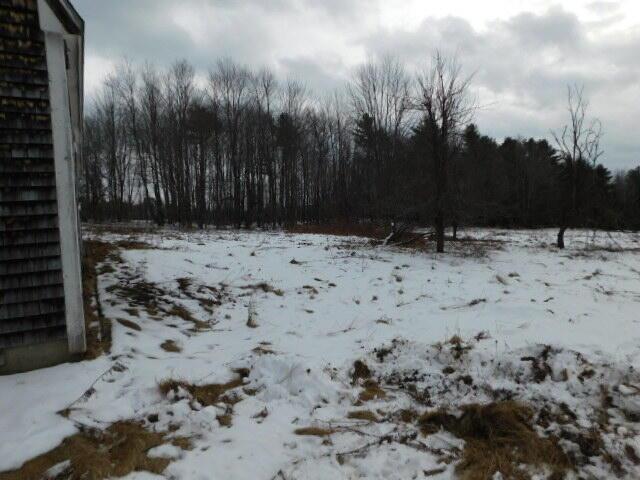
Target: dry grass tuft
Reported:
point(407, 415)
point(170, 346)
point(183, 313)
point(206, 395)
point(184, 284)
point(371, 391)
point(366, 415)
point(263, 350)
point(98, 327)
point(264, 287)
point(499, 437)
point(458, 347)
point(432, 422)
point(225, 420)
point(95, 454)
point(202, 293)
point(314, 431)
point(139, 293)
point(129, 324)
point(131, 244)
point(360, 371)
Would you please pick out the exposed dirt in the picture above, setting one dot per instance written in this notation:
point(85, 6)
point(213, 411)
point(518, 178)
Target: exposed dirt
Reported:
point(98, 328)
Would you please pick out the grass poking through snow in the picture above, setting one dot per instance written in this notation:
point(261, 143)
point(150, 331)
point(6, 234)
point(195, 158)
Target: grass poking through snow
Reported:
point(99, 454)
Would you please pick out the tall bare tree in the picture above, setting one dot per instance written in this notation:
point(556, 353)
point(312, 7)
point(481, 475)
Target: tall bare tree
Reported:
point(229, 87)
point(256, 151)
point(380, 100)
point(579, 146)
point(447, 107)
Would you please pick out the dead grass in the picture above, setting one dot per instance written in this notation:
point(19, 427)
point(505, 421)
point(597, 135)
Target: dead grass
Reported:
point(360, 371)
point(202, 293)
point(372, 391)
point(540, 367)
point(263, 350)
point(206, 395)
point(122, 228)
point(264, 287)
point(140, 294)
point(407, 415)
point(137, 293)
point(225, 420)
point(170, 346)
point(499, 437)
point(95, 454)
point(129, 324)
point(132, 244)
point(210, 394)
point(458, 347)
point(98, 328)
point(366, 415)
point(314, 431)
point(183, 313)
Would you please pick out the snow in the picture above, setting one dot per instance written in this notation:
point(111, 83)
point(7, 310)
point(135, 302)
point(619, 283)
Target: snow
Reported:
point(319, 303)
point(58, 469)
point(29, 406)
point(165, 451)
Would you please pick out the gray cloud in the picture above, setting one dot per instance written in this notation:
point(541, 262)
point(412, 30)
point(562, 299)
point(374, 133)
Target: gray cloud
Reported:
point(523, 63)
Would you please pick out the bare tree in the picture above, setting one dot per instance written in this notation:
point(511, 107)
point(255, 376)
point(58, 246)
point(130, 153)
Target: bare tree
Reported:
point(447, 108)
point(578, 143)
point(380, 100)
point(257, 151)
point(265, 87)
point(127, 89)
point(151, 110)
point(381, 90)
point(230, 87)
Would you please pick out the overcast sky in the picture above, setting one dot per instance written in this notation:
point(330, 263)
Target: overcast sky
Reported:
point(524, 53)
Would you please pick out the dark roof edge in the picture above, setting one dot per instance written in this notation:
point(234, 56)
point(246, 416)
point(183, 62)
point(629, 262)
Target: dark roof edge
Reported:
point(68, 15)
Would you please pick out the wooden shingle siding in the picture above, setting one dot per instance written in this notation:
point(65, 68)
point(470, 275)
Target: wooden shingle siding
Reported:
point(35, 237)
point(34, 179)
point(20, 209)
point(16, 311)
point(20, 5)
point(32, 337)
point(27, 194)
point(25, 165)
point(32, 305)
point(16, 223)
point(34, 279)
point(31, 265)
point(17, 137)
point(22, 295)
point(35, 323)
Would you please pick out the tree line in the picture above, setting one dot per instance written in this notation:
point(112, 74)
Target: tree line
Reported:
point(242, 148)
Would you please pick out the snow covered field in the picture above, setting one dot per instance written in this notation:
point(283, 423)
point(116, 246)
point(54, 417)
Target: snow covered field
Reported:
point(282, 356)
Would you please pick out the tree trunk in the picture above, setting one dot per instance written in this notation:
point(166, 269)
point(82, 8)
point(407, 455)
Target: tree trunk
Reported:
point(560, 243)
point(439, 232)
point(455, 230)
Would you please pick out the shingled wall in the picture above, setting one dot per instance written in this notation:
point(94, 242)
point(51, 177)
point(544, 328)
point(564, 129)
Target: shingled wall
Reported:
point(32, 305)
